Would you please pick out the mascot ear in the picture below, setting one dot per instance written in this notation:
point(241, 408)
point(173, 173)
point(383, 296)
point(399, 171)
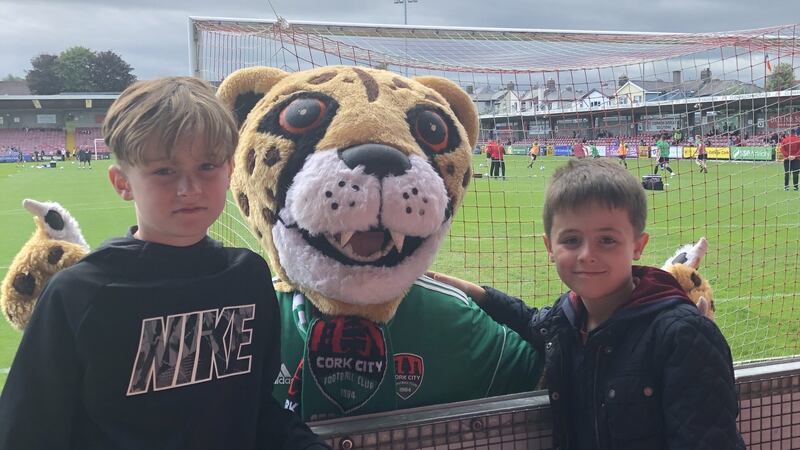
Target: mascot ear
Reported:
point(459, 101)
point(690, 255)
point(241, 90)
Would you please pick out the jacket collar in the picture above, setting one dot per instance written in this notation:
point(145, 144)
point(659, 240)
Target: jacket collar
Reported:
point(655, 290)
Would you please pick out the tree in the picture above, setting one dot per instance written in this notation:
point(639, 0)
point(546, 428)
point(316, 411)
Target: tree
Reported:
point(79, 69)
point(12, 77)
point(781, 78)
point(110, 73)
point(75, 69)
point(44, 79)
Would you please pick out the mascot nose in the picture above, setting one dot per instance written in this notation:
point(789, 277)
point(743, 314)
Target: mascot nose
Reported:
point(379, 160)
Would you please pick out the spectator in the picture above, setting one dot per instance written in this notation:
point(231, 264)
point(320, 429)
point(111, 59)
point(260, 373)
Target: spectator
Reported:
point(494, 152)
point(790, 148)
point(88, 156)
point(676, 137)
point(578, 149)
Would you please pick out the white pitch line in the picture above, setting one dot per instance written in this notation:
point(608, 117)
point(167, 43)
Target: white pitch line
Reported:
point(757, 297)
point(4, 371)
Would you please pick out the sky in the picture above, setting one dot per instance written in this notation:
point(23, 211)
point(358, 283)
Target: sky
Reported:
point(152, 35)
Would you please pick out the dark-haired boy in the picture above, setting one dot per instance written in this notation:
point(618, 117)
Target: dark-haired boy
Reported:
point(630, 362)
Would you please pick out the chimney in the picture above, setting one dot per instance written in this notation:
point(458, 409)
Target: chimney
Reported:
point(470, 89)
point(551, 84)
point(705, 74)
point(676, 77)
point(622, 80)
point(510, 86)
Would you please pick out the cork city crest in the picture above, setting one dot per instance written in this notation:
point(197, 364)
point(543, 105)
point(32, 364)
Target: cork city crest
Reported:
point(409, 371)
point(347, 359)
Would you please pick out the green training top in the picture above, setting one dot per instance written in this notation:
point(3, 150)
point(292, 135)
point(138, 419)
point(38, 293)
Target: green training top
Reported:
point(439, 347)
point(663, 148)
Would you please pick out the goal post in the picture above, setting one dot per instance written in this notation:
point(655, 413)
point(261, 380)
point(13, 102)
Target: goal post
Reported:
point(99, 145)
point(735, 92)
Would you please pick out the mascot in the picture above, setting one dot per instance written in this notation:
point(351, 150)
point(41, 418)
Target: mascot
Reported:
point(350, 178)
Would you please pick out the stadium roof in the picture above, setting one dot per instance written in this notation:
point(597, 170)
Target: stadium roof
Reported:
point(14, 88)
point(86, 100)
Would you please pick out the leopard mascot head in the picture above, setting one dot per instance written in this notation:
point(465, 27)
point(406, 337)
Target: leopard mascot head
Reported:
point(684, 265)
point(349, 177)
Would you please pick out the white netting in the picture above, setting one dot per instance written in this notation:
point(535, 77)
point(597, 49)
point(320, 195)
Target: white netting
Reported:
point(737, 90)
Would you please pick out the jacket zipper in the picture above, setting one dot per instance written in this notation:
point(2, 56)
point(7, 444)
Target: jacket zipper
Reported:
point(561, 364)
point(594, 393)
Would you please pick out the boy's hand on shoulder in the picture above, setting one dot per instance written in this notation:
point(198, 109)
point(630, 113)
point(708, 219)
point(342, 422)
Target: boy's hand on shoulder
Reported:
point(473, 290)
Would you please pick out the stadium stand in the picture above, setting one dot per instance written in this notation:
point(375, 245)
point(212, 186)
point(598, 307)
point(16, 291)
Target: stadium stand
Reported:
point(34, 139)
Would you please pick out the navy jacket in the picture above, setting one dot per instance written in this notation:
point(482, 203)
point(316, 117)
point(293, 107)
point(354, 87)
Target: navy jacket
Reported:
point(655, 375)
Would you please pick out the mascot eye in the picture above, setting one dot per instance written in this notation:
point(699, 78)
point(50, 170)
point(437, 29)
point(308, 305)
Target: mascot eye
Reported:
point(431, 130)
point(302, 115)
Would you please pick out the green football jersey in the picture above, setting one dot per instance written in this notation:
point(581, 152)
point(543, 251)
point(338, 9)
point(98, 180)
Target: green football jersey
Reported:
point(663, 148)
point(439, 347)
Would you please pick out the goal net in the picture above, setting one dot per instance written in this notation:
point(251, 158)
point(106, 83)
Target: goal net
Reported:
point(597, 92)
point(100, 147)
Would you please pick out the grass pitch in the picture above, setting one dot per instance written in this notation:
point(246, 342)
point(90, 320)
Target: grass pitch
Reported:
point(752, 225)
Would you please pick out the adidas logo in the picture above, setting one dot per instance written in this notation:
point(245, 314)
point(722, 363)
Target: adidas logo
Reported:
point(284, 377)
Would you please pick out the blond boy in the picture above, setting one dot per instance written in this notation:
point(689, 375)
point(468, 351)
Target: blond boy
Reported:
point(163, 338)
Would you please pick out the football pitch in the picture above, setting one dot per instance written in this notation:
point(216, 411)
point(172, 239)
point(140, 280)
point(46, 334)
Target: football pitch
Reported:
point(751, 223)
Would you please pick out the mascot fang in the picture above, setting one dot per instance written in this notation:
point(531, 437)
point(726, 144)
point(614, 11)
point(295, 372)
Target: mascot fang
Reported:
point(350, 178)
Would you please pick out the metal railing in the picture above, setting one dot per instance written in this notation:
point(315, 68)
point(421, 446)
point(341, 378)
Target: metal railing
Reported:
point(769, 398)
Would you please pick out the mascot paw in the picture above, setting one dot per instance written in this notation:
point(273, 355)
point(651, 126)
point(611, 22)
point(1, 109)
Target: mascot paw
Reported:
point(56, 244)
point(683, 266)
